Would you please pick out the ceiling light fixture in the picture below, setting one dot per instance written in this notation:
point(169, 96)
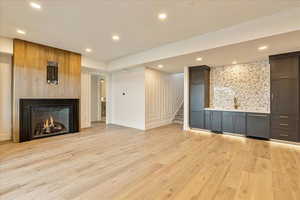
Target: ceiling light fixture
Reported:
point(234, 62)
point(262, 48)
point(116, 38)
point(88, 50)
point(21, 32)
point(35, 5)
point(199, 59)
point(160, 66)
point(162, 16)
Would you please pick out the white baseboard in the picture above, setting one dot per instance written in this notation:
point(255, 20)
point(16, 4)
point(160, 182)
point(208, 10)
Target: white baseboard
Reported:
point(158, 123)
point(5, 136)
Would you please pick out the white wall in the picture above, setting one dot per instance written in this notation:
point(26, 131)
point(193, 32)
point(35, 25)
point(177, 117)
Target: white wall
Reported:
point(93, 64)
point(85, 101)
point(128, 109)
point(6, 45)
point(151, 98)
point(5, 96)
point(164, 97)
point(186, 100)
point(103, 88)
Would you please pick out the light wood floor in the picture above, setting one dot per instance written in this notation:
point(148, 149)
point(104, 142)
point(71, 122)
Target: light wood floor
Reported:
point(165, 163)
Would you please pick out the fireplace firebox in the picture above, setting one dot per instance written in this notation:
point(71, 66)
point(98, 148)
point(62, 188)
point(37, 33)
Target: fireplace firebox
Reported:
point(48, 117)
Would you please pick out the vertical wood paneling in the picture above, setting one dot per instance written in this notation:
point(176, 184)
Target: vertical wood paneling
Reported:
point(29, 75)
point(164, 96)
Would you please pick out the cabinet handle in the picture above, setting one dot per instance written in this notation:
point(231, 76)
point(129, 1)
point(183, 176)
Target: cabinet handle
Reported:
point(283, 77)
point(283, 124)
point(284, 135)
point(283, 117)
point(272, 96)
point(257, 115)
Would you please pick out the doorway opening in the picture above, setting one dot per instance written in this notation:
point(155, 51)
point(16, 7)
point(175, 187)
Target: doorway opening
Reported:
point(98, 99)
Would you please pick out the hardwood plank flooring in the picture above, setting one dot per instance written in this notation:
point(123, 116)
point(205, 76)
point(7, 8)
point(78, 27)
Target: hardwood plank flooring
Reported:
point(118, 163)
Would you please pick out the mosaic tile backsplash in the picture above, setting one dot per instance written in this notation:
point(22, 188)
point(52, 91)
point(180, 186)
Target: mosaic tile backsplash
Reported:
point(249, 83)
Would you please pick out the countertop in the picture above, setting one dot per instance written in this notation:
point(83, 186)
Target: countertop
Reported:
point(237, 110)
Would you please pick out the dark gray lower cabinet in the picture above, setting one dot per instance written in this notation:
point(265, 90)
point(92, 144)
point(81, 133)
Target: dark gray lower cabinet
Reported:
point(227, 122)
point(207, 120)
point(239, 123)
point(249, 124)
point(197, 119)
point(258, 125)
point(234, 122)
point(216, 121)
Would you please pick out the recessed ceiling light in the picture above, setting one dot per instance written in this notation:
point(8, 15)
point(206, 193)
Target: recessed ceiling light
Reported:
point(199, 59)
point(162, 16)
point(35, 5)
point(263, 48)
point(116, 38)
point(88, 50)
point(21, 32)
point(234, 62)
point(160, 66)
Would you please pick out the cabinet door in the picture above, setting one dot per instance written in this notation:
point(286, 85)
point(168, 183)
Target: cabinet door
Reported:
point(208, 120)
point(196, 97)
point(227, 122)
point(216, 121)
point(239, 123)
point(284, 96)
point(284, 127)
point(196, 76)
point(258, 125)
point(197, 119)
point(284, 67)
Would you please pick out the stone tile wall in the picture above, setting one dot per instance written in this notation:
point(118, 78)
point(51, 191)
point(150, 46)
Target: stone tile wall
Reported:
point(249, 83)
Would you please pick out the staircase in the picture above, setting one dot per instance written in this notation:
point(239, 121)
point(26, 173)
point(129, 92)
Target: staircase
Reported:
point(178, 119)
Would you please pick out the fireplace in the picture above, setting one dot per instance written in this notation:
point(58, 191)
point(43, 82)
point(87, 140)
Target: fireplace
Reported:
point(48, 117)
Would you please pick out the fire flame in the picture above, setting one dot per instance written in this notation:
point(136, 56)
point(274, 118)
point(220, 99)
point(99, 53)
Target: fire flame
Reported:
point(49, 123)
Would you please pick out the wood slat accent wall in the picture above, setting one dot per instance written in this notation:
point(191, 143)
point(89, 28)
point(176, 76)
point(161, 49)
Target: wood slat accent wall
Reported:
point(29, 75)
point(163, 95)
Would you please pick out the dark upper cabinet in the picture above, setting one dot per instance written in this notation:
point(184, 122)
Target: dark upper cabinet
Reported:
point(284, 66)
point(258, 125)
point(285, 96)
point(196, 99)
point(198, 95)
point(216, 121)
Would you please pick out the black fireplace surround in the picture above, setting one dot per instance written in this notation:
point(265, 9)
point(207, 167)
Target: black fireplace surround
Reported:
point(48, 117)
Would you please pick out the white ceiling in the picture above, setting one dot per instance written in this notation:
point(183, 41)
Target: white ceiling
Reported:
point(242, 53)
point(79, 24)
